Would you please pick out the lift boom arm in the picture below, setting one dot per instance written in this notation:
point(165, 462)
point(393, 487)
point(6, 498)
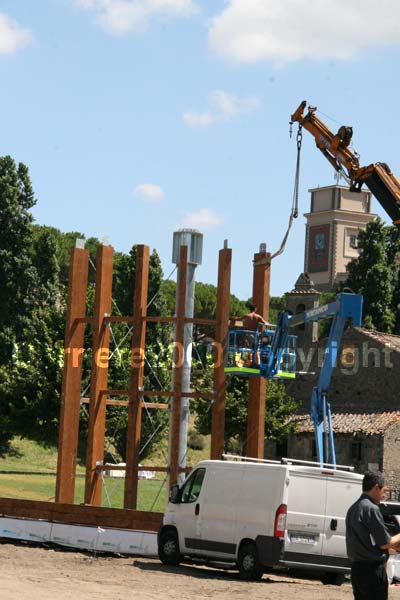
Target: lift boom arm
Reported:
point(346, 306)
point(335, 147)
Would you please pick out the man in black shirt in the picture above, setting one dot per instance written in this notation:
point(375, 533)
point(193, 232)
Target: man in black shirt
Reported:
point(368, 541)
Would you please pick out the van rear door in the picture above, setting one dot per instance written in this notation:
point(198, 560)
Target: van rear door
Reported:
point(305, 516)
point(343, 489)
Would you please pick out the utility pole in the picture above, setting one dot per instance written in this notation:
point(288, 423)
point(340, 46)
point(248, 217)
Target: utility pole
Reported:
point(193, 240)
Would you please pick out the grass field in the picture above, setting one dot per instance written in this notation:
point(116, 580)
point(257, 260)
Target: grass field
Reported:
point(42, 487)
point(28, 471)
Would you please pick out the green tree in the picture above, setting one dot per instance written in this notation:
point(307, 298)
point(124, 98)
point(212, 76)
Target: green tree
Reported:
point(64, 242)
point(374, 274)
point(31, 385)
point(17, 274)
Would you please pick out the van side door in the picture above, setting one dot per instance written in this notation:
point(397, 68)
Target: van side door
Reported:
point(187, 512)
point(219, 511)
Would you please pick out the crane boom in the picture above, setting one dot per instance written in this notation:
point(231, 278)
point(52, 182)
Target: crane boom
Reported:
point(378, 177)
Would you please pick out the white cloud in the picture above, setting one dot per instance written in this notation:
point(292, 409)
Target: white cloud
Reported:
point(222, 107)
point(120, 17)
point(194, 119)
point(149, 192)
point(205, 218)
point(248, 31)
point(12, 35)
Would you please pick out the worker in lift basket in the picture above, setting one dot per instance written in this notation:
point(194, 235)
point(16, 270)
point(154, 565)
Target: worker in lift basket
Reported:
point(368, 541)
point(263, 352)
point(252, 319)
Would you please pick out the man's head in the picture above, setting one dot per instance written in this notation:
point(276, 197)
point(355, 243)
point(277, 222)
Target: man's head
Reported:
point(251, 307)
point(373, 484)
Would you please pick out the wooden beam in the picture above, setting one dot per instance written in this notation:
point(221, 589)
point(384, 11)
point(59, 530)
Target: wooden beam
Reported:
point(118, 319)
point(112, 402)
point(221, 340)
point(99, 379)
point(193, 395)
point(137, 375)
point(86, 320)
point(74, 514)
point(151, 319)
point(178, 368)
point(72, 376)
point(258, 385)
point(199, 321)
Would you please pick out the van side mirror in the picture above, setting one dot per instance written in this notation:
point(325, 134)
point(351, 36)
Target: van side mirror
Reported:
point(175, 496)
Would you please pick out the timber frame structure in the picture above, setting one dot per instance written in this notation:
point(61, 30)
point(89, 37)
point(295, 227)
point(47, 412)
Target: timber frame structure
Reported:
point(64, 509)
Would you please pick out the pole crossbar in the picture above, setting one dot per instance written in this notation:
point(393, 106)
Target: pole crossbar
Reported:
point(118, 319)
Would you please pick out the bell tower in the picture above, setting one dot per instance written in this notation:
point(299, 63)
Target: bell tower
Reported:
point(303, 297)
point(335, 218)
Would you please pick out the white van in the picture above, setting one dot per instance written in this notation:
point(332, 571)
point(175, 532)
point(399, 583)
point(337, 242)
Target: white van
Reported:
point(261, 514)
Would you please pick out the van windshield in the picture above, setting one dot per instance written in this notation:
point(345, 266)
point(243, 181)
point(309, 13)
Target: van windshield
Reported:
point(192, 487)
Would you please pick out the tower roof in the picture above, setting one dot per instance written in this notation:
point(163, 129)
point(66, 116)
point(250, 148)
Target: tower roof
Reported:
point(304, 285)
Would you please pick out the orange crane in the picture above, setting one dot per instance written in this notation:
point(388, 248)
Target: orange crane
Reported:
point(335, 147)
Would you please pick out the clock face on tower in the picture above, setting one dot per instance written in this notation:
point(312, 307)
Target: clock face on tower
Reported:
point(319, 241)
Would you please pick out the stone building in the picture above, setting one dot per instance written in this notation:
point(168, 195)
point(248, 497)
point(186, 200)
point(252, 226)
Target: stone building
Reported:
point(336, 215)
point(365, 402)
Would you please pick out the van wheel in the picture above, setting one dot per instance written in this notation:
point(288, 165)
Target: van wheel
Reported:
point(332, 578)
point(248, 563)
point(168, 548)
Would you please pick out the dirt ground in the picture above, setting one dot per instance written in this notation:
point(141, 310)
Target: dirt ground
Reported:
point(37, 573)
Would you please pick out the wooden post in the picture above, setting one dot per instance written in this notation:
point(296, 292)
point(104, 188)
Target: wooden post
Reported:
point(258, 385)
point(221, 339)
point(72, 376)
point(137, 375)
point(178, 366)
point(99, 379)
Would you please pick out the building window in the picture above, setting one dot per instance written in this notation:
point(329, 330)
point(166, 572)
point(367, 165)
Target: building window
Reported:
point(300, 308)
point(314, 455)
point(356, 450)
point(353, 241)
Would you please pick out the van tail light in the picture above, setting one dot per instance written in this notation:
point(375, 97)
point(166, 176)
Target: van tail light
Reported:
point(280, 521)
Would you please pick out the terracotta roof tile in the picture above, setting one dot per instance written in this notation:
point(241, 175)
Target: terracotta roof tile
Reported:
point(387, 339)
point(368, 423)
point(295, 292)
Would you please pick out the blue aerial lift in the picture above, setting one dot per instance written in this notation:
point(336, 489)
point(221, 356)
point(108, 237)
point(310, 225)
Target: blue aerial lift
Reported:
point(271, 353)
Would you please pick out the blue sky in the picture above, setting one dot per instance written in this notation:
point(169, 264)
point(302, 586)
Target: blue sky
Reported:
point(137, 117)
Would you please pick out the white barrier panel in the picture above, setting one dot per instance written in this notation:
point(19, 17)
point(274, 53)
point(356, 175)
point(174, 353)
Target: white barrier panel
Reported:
point(12, 528)
point(37, 531)
point(141, 543)
point(74, 536)
point(127, 542)
point(393, 567)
